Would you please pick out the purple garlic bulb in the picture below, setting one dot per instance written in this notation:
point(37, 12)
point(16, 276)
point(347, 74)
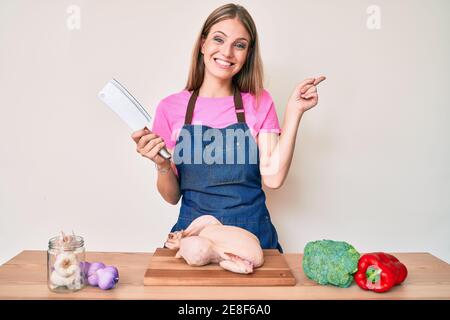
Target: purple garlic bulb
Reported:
point(114, 271)
point(94, 267)
point(105, 279)
point(84, 266)
point(93, 279)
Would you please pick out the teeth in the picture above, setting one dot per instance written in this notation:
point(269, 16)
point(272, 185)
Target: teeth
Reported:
point(224, 63)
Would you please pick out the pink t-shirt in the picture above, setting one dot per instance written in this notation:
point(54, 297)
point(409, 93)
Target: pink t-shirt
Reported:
point(213, 112)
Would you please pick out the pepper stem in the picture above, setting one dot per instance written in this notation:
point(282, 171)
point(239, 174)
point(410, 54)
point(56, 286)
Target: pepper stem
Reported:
point(373, 274)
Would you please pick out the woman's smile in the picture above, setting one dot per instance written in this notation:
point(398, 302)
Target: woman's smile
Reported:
point(223, 64)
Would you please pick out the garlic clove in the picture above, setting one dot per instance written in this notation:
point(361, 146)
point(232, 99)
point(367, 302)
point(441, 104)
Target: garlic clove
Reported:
point(75, 281)
point(94, 267)
point(66, 264)
point(57, 280)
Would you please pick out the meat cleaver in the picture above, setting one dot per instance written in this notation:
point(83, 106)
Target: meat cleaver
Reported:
point(120, 100)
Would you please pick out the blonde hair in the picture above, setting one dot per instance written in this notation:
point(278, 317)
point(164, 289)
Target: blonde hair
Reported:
point(251, 77)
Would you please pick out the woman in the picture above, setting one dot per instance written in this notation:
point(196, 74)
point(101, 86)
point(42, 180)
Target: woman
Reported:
point(214, 147)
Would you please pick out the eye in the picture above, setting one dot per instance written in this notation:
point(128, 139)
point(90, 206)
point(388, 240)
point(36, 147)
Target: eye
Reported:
point(240, 45)
point(217, 39)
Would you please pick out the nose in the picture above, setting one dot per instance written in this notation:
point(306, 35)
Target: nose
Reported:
point(227, 50)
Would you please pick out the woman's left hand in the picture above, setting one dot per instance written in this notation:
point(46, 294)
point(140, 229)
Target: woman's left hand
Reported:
point(305, 94)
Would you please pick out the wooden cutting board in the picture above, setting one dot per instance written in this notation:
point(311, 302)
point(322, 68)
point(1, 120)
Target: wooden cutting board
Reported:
point(166, 270)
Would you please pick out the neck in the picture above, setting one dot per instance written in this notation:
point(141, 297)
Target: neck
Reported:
point(213, 87)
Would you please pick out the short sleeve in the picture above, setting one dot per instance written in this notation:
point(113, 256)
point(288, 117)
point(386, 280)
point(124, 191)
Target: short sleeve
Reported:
point(162, 126)
point(270, 122)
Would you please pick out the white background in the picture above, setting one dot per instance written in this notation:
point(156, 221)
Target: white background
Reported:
point(371, 164)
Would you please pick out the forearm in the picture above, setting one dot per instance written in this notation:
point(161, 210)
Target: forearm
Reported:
point(279, 160)
point(168, 185)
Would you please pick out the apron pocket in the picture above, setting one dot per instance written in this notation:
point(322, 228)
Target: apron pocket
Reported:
point(223, 174)
point(189, 175)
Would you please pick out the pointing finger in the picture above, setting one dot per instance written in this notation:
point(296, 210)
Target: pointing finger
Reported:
point(306, 88)
point(319, 80)
point(312, 89)
point(305, 82)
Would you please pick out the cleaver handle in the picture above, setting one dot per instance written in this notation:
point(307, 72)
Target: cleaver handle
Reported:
point(164, 153)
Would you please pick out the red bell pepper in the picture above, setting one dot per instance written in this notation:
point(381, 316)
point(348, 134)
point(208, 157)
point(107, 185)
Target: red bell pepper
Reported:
point(379, 272)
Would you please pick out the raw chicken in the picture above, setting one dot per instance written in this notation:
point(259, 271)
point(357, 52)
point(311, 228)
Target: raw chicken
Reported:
point(206, 240)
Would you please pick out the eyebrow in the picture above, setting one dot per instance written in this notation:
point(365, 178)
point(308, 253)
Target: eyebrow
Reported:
point(227, 36)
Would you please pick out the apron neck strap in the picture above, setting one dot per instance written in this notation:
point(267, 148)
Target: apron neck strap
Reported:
point(239, 108)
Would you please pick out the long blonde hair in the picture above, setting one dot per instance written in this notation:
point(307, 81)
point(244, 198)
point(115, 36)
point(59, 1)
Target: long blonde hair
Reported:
point(251, 77)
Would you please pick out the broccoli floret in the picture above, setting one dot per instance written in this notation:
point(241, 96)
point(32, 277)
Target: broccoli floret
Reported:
point(330, 262)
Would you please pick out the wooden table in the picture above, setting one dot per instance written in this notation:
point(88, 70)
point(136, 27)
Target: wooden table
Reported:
point(24, 277)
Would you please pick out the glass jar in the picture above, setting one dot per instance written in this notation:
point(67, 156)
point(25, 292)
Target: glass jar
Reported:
point(66, 264)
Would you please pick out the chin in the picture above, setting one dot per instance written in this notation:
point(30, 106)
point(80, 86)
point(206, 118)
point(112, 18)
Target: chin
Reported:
point(222, 75)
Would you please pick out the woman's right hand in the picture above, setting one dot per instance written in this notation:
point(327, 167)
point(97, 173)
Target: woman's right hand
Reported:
point(148, 145)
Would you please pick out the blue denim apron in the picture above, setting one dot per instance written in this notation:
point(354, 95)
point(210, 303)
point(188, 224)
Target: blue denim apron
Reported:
point(231, 192)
